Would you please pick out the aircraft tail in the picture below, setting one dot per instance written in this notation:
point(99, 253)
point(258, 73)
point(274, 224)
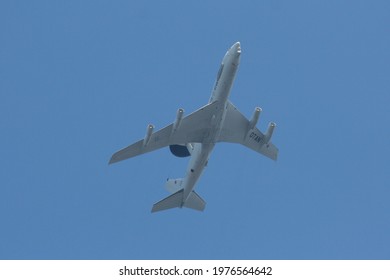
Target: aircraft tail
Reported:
point(194, 201)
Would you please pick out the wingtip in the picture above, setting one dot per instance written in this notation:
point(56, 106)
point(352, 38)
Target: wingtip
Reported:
point(111, 161)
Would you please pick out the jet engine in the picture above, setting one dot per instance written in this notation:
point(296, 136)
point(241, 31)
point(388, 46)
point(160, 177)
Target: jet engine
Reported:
point(268, 134)
point(255, 118)
point(149, 131)
point(179, 150)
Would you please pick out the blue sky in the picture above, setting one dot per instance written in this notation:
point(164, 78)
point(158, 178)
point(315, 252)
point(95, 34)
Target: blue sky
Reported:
point(81, 79)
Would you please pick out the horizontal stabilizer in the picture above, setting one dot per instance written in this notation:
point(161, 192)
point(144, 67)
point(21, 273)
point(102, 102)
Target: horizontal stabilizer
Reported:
point(172, 201)
point(194, 201)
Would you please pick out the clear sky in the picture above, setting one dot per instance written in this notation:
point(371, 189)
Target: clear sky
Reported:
point(81, 79)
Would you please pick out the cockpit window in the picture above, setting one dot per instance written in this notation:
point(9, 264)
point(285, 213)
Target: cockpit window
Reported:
point(218, 76)
point(220, 72)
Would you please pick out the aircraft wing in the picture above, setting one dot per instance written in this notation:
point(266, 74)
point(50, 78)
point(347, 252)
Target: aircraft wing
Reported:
point(235, 130)
point(192, 129)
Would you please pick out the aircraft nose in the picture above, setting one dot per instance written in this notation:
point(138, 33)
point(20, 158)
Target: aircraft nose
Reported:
point(233, 54)
point(237, 47)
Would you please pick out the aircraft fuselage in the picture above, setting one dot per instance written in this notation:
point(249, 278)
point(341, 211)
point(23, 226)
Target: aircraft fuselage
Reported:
point(220, 95)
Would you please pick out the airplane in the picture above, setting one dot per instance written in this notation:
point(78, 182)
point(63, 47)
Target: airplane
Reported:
point(195, 135)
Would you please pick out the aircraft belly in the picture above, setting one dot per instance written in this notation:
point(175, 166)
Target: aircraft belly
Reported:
point(195, 168)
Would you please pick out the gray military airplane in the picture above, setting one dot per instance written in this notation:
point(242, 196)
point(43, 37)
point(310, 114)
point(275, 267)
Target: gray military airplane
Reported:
point(196, 135)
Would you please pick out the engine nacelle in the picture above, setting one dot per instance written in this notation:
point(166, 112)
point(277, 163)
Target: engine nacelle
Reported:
point(149, 131)
point(255, 118)
point(178, 119)
point(270, 130)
